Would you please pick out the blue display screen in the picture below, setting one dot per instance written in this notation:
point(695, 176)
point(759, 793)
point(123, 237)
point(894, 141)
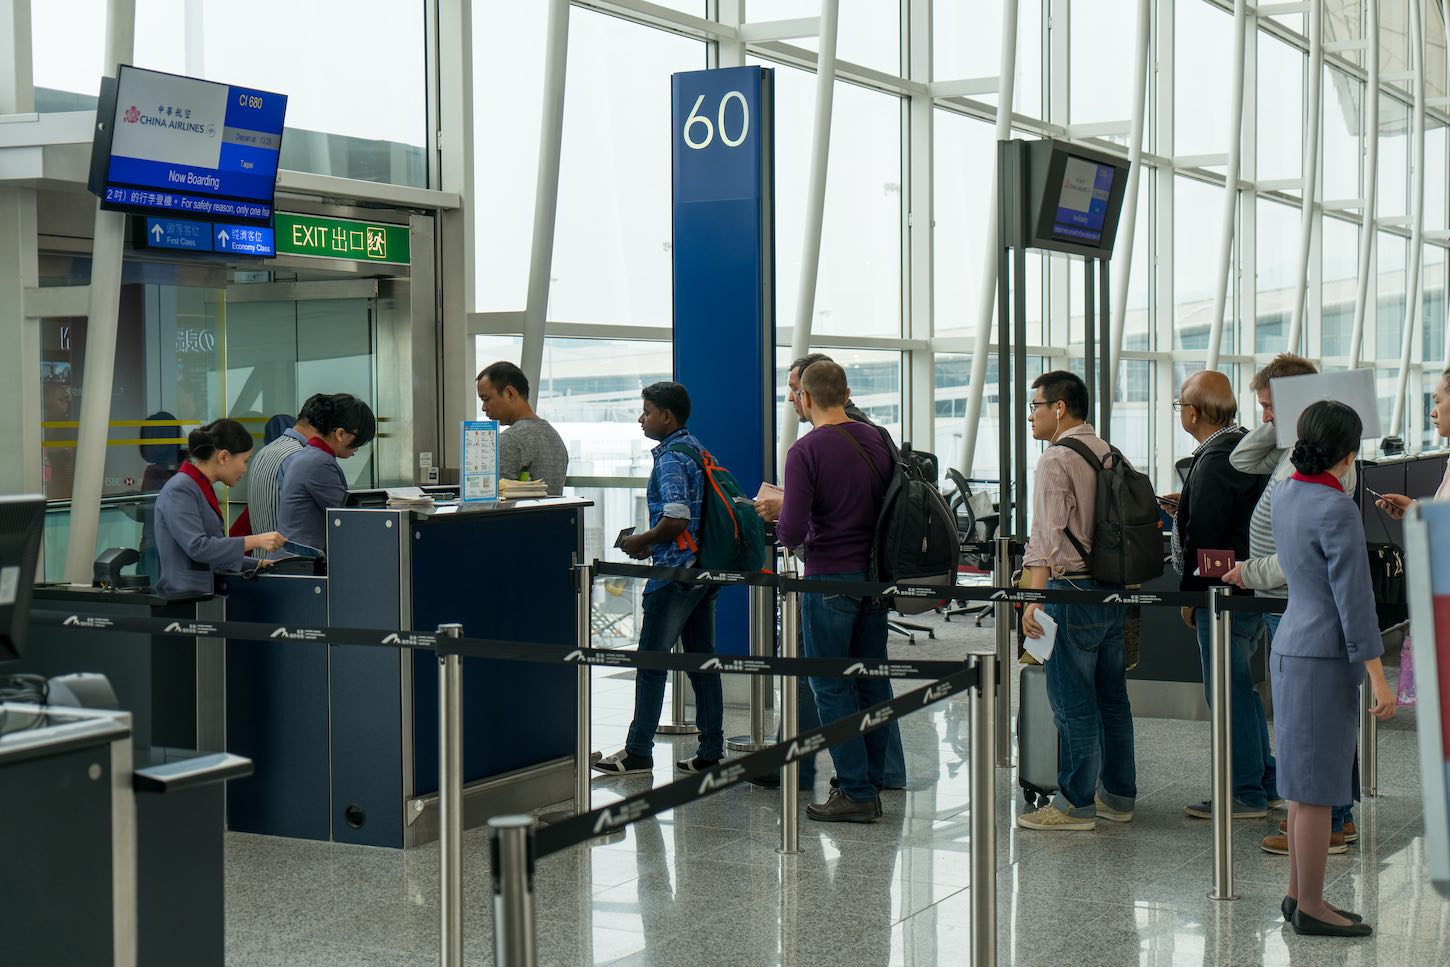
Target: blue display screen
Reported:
point(184, 235)
point(1082, 205)
point(183, 146)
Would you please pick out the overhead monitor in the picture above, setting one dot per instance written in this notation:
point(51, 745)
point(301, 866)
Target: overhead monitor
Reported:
point(175, 146)
point(1427, 568)
point(1062, 197)
point(22, 523)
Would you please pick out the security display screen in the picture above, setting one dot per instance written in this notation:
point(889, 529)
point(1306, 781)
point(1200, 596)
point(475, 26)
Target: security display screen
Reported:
point(180, 146)
point(1082, 205)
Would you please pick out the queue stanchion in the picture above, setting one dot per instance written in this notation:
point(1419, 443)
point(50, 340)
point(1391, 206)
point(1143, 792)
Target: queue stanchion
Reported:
point(1002, 623)
point(790, 793)
point(762, 645)
point(678, 724)
point(450, 803)
point(515, 932)
point(983, 814)
point(1369, 778)
point(1220, 638)
point(583, 741)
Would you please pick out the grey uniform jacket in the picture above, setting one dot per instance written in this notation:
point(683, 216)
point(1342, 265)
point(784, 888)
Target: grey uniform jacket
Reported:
point(190, 541)
point(1331, 611)
point(312, 483)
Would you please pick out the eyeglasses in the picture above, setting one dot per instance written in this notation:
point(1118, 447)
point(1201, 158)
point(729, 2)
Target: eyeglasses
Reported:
point(1032, 405)
point(1178, 405)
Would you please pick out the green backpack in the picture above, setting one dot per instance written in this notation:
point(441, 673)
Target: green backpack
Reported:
point(732, 535)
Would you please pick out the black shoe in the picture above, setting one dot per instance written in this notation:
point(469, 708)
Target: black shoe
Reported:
point(771, 780)
point(696, 764)
point(624, 763)
point(840, 808)
point(1306, 925)
point(1289, 905)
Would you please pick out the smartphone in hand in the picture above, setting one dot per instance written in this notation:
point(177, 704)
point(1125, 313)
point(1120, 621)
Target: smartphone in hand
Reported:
point(627, 532)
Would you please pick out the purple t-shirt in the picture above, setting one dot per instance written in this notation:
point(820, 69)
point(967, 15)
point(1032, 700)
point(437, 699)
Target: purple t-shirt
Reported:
point(833, 497)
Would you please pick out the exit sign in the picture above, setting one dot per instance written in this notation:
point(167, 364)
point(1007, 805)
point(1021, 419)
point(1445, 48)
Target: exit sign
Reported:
point(316, 236)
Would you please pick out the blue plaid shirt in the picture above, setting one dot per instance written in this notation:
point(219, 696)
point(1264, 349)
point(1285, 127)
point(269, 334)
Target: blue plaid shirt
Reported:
point(676, 489)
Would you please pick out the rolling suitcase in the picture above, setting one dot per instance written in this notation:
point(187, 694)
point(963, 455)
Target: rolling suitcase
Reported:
point(1036, 738)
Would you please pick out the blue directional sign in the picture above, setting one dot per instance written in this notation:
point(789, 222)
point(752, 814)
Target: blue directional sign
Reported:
point(244, 240)
point(723, 150)
point(178, 234)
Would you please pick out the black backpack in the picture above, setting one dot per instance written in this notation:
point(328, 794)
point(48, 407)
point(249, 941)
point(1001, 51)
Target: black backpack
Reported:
point(1127, 529)
point(916, 533)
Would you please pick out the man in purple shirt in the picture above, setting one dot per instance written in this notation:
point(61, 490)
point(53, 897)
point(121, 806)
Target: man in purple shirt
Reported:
point(835, 479)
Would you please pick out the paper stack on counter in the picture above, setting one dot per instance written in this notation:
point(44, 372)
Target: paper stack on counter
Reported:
point(522, 489)
point(1041, 648)
point(408, 497)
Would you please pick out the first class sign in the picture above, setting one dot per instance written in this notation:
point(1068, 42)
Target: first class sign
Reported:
point(177, 146)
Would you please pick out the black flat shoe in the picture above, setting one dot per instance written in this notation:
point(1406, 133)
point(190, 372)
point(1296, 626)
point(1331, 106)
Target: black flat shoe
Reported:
point(1306, 925)
point(1289, 905)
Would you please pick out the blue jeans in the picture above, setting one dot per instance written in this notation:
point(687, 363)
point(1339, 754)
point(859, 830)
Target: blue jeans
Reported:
point(1087, 688)
point(1338, 815)
point(684, 613)
point(809, 717)
point(1254, 766)
point(845, 626)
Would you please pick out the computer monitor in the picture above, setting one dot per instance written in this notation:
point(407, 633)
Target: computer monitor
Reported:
point(22, 522)
point(1427, 567)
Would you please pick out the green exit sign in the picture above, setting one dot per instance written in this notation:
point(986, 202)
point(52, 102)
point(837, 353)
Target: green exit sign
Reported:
point(317, 236)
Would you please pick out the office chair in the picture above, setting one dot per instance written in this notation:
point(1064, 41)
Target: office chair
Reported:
point(968, 532)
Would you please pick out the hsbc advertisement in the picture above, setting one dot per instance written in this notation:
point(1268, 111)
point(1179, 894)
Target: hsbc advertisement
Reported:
point(183, 146)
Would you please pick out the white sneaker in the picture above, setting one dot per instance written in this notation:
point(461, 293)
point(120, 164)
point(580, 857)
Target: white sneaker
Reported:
point(624, 764)
point(1110, 814)
point(1052, 819)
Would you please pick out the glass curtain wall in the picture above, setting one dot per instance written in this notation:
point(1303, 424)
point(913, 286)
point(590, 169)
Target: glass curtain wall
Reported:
point(609, 309)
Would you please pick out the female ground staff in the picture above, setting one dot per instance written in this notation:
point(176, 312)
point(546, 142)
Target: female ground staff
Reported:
point(312, 481)
point(191, 541)
point(1327, 642)
point(1396, 504)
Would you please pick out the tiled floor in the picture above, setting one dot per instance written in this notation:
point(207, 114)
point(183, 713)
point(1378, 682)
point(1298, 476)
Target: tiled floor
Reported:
point(704, 886)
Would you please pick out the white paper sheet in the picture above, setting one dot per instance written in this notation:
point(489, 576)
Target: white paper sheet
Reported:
point(1041, 648)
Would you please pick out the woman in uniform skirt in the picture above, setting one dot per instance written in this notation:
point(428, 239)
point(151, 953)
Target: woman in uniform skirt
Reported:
point(1327, 642)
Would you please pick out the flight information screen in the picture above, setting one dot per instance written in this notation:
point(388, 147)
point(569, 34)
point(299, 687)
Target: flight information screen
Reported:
point(180, 146)
point(1082, 205)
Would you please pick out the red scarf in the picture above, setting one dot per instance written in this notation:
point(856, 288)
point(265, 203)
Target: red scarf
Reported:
point(321, 444)
point(1325, 479)
point(190, 469)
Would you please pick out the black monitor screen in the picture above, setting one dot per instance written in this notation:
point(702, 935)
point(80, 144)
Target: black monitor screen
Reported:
point(1082, 204)
point(22, 521)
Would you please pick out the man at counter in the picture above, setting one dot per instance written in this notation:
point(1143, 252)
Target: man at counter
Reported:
point(672, 611)
point(531, 445)
point(1213, 513)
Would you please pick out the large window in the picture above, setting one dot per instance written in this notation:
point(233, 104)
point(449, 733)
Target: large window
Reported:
point(1202, 60)
point(1280, 109)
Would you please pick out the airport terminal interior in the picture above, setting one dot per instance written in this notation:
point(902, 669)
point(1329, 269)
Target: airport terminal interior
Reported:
point(223, 208)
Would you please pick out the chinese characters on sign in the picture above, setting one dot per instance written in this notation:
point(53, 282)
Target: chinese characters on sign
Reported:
point(315, 236)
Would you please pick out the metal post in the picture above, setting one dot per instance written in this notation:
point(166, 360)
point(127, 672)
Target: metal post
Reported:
point(450, 803)
point(583, 741)
point(511, 848)
point(1220, 632)
point(1002, 621)
point(1368, 742)
point(762, 645)
point(790, 795)
point(983, 815)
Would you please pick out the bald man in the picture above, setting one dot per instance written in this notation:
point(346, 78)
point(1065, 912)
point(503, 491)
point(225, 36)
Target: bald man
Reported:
point(1213, 513)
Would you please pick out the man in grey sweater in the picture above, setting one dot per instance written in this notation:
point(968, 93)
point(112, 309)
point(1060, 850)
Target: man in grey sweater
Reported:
point(1259, 452)
point(531, 446)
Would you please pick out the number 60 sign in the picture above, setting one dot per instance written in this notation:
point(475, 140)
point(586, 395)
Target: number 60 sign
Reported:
point(695, 121)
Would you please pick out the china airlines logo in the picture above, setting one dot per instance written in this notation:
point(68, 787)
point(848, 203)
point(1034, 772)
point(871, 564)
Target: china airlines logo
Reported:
point(133, 114)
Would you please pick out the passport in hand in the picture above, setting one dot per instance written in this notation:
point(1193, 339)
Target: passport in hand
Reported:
point(1214, 563)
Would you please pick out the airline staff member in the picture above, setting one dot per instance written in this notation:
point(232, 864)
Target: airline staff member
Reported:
point(312, 481)
point(191, 541)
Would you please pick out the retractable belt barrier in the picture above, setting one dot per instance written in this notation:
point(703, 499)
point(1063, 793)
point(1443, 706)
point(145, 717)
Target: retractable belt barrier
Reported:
point(596, 822)
point(1248, 605)
point(537, 653)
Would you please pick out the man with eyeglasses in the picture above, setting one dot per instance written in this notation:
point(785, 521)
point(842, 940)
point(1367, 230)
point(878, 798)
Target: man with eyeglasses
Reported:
point(1086, 678)
point(1214, 512)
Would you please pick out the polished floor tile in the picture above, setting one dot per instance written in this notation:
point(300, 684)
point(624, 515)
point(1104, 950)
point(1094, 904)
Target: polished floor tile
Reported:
point(704, 885)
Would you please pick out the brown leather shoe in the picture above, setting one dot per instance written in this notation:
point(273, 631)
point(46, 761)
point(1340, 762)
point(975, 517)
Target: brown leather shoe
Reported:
point(1351, 835)
point(840, 808)
point(1279, 845)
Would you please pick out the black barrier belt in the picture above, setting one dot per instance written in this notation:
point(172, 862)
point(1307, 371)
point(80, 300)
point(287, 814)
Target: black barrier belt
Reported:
point(538, 653)
point(869, 589)
point(1255, 605)
point(606, 819)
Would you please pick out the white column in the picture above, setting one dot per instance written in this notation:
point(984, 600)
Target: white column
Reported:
point(102, 318)
point(815, 205)
point(986, 310)
point(1231, 184)
point(1311, 171)
point(546, 189)
point(453, 160)
point(918, 261)
point(730, 53)
point(1128, 223)
point(1370, 176)
point(1417, 214)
